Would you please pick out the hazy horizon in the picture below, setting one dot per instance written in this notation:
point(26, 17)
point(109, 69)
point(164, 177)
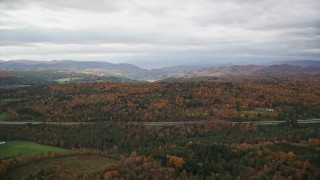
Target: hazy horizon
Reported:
point(157, 34)
point(154, 65)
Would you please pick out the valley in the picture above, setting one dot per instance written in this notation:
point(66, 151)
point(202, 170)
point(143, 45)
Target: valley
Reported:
point(235, 122)
point(28, 72)
point(159, 90)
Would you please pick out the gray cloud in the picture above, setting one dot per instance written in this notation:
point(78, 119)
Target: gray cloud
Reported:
point(173, 31)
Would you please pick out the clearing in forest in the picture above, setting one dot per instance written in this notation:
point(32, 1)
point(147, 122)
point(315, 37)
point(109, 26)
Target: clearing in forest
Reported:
point(90, 164)
point(15, 148)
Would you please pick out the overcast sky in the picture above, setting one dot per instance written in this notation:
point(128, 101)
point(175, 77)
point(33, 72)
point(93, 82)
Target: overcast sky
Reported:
point(168, 32)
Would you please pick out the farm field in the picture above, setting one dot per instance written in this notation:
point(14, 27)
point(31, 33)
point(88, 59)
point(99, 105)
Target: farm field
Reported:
point(91, 164)
point(15, 148)
point(3, 116)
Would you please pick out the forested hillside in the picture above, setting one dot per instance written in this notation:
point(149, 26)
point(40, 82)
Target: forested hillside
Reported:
point(211, 149)
point(159, 90)
point(206, 128)
point(184, 101)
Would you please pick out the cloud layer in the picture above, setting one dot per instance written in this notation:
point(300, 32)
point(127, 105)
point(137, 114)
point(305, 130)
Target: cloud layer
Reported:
point(176, 32)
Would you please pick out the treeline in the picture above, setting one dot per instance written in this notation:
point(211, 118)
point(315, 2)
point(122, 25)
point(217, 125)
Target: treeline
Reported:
point(215, 149)
point(188, 101)
point(278, 78)
point(133, 166)
point(38, 78)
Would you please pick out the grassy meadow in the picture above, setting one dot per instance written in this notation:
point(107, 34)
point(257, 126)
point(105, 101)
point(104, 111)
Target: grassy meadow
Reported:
point(91, 164)
point(15, 148)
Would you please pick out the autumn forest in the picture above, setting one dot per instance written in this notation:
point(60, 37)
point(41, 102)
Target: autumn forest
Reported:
point(159, 90)
point(173, 101)
point(257, 128)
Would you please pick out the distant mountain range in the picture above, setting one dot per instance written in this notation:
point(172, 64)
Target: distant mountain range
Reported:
point(249, 70)
point(134, 72)
point(95, 68)
point(303, 63)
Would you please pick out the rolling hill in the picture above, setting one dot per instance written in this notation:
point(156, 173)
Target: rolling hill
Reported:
point(87, 67)
point(133, 72)
point(303, 63)
point(249, 70)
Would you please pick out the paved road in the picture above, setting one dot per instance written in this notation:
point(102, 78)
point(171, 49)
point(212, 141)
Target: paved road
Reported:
point(308, 121)
point(39, 122)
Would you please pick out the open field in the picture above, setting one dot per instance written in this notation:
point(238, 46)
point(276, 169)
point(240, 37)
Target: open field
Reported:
point(63, 80)
point(90, 164)
point(66, 79)
point(4, 116)
point(14, 148)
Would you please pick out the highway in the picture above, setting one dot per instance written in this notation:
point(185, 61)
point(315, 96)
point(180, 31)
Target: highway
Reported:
point(308, 121)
